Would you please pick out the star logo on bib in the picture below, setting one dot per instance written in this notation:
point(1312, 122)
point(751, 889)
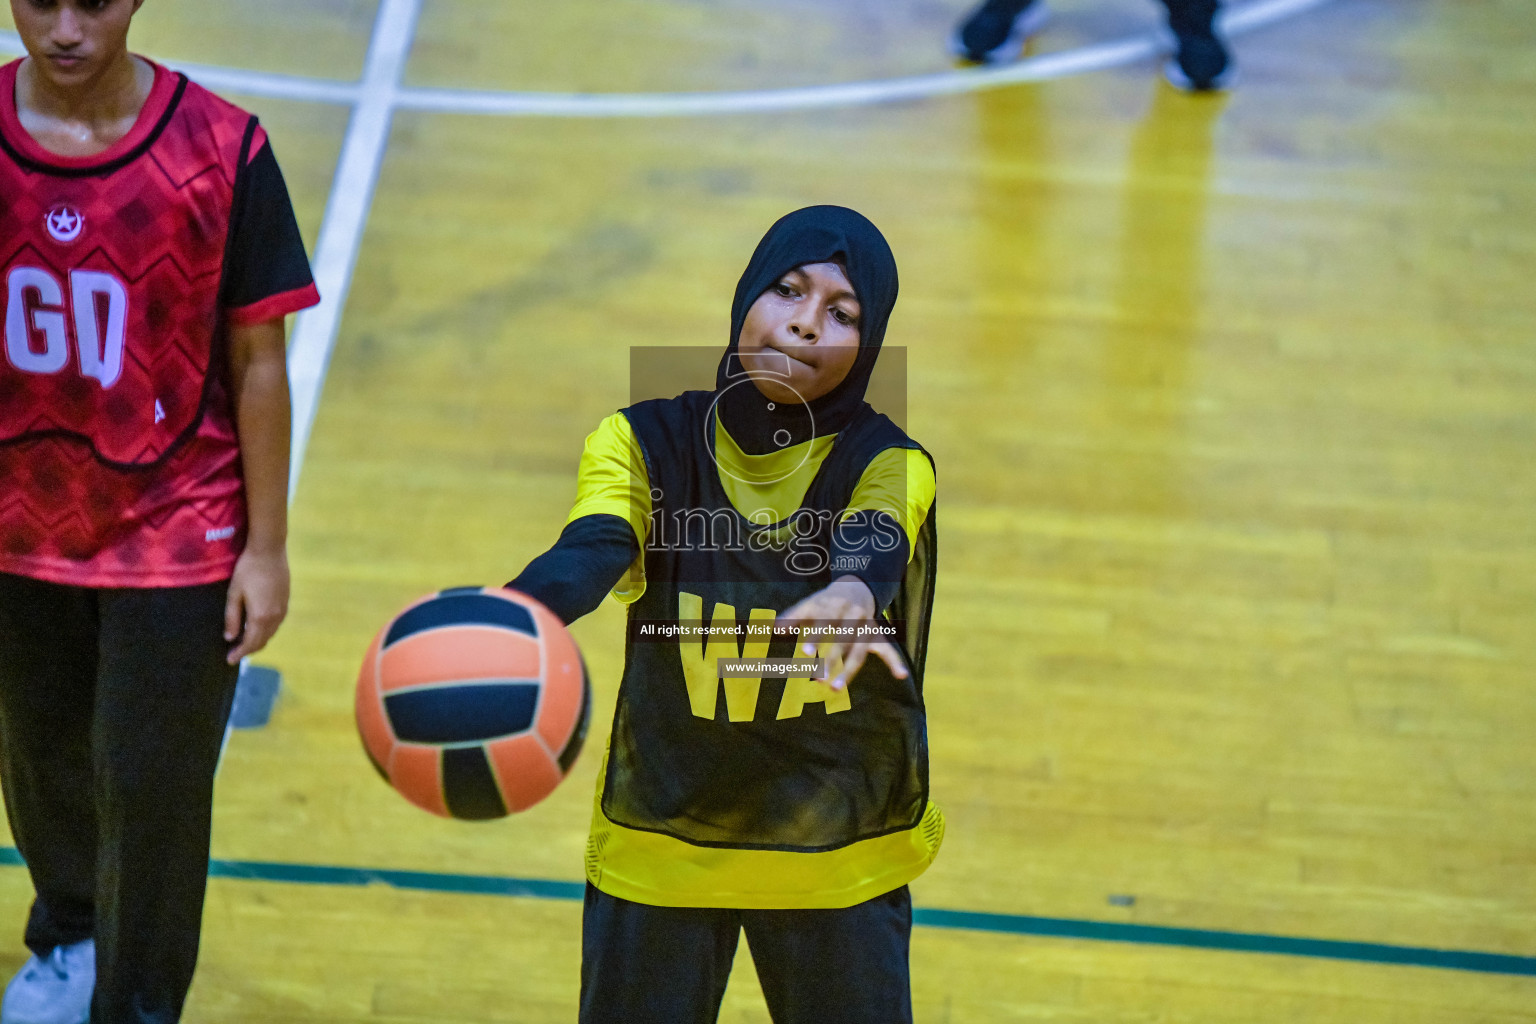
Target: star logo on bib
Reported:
point(64, 223)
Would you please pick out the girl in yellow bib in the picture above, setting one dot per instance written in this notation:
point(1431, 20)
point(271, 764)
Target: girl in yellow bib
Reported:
point(761, 797)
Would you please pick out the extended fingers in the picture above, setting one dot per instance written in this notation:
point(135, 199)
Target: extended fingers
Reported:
point(814, 632)
point(851, 664)
point(859, 651)
point(892, 658)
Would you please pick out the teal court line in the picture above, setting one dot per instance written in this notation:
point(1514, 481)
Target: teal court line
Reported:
point(931, 917)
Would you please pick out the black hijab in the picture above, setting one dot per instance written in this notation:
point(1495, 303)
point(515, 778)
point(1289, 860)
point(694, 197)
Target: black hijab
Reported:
point(816, 234)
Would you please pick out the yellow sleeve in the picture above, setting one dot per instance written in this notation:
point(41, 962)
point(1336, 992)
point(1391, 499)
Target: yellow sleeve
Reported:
point(612, 480)
point(898, 481)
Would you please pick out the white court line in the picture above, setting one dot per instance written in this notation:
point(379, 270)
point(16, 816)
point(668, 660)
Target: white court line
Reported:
point(341, 228)
point(1097, 57)
point(346, 215)
point(270, 85)
point(847, 94)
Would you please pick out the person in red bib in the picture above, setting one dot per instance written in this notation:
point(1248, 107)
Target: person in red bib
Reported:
point(148, 256)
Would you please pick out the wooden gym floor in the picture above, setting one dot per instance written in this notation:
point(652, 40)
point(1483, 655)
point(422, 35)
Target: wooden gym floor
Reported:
point(1234, 407)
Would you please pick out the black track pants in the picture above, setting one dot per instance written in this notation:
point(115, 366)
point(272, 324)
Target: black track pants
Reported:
point(112, 710)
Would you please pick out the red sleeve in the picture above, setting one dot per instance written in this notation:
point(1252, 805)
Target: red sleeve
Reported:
point(274, 306)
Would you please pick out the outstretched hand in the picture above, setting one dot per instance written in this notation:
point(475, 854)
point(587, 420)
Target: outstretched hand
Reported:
point(847, 602)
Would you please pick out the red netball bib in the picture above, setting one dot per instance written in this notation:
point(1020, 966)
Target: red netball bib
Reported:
point(110, 275)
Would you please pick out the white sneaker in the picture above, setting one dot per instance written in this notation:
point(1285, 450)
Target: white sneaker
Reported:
point(56, 989)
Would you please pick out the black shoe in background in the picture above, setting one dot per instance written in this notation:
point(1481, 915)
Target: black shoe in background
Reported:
point(1200, 63)
point(995, 32)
